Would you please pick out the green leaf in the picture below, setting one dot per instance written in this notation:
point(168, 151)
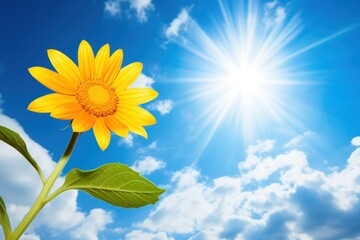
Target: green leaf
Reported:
point(4, 219)
point(114, 183)
point(13, 139)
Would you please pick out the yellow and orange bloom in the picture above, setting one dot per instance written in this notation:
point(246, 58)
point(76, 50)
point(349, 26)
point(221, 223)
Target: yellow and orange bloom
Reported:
point(94, 94)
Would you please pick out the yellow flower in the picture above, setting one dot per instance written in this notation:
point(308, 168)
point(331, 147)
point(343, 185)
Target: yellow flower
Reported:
point(94, 94)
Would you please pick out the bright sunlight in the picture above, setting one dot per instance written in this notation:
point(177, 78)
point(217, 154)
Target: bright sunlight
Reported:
point(247, 65)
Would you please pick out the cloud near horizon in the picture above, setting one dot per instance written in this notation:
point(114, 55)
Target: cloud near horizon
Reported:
point(277, 196)
point(274, 197)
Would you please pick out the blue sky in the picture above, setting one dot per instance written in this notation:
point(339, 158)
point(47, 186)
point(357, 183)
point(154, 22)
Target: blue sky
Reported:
point(258, 121)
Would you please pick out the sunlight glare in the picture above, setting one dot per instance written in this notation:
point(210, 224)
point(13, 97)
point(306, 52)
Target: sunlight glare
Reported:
point(244, 80)
point(244, 69)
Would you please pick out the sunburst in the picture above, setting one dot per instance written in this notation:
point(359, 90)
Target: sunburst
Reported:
point(243, 67)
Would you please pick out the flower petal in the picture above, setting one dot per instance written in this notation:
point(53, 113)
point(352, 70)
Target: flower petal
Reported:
point(132, 125)
point(136, 95)
point(113, 66)
point(137, 114)
point(83, 122)
point(53, 80)
point(86, 60)
point(64, 66)
point(48, 102)
point(66, 111)
point(102, 133)
point(101, 60)
point(116, 126)
point(127, 75)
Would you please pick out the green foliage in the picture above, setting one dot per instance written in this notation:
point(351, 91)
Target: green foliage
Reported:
point(13, 139)
point(4, 219)
point(114, 183)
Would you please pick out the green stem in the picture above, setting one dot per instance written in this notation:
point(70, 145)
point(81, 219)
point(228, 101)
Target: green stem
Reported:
point(42, 200)
point(55, 194)
point(5, 223)
point(42, 177)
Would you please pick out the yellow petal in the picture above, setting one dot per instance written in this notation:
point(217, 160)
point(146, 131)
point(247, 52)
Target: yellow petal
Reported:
point(116, 126)
point(136, 95)
point(137, 114)
point(83, 122)
point(53, 80)
point(64, 66)
point(102, 133)
point(86, 60)
point(48, 102)
point(127, 75)
point(139, 130)
point(101, 60)
point(66, 111)
point(113, 66)
point(132, 125)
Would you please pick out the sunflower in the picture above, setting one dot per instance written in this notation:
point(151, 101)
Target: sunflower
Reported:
point(94, 94)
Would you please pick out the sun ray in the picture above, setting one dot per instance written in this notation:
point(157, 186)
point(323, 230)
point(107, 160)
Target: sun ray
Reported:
point(242, 68)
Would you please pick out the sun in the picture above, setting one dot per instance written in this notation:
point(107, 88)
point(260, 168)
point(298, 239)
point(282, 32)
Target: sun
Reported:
point(241, 67)
point(244, 79)
point(244, 68)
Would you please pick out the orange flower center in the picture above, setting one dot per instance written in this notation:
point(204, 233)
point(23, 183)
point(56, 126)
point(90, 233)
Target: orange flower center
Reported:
point(97, 98)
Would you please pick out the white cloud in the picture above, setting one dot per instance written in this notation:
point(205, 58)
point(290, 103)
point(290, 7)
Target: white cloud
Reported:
point(271, 5)
point(300, 139)
point(18, 178)
point(275, 197)
point(65, 209)
point(118, 230)
point(112, 7)
point(280, 15)
point(147, 165)
point(95, 222)
point(141, 8)
point(138, 234)
point(186, 177)
point(150, 147)
point(258, 169)
point(163, 107)
point(188, 206)
point(204, 235)
point(27, 184)
point(344, 184)
point(128, 141)
point(178, 24)
point(261, 147)
point(30, 237)
point(274, 14)
point(181, 212)
point(17, 212)
point(142, 81)
point(356, 141)
point(153, 145)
